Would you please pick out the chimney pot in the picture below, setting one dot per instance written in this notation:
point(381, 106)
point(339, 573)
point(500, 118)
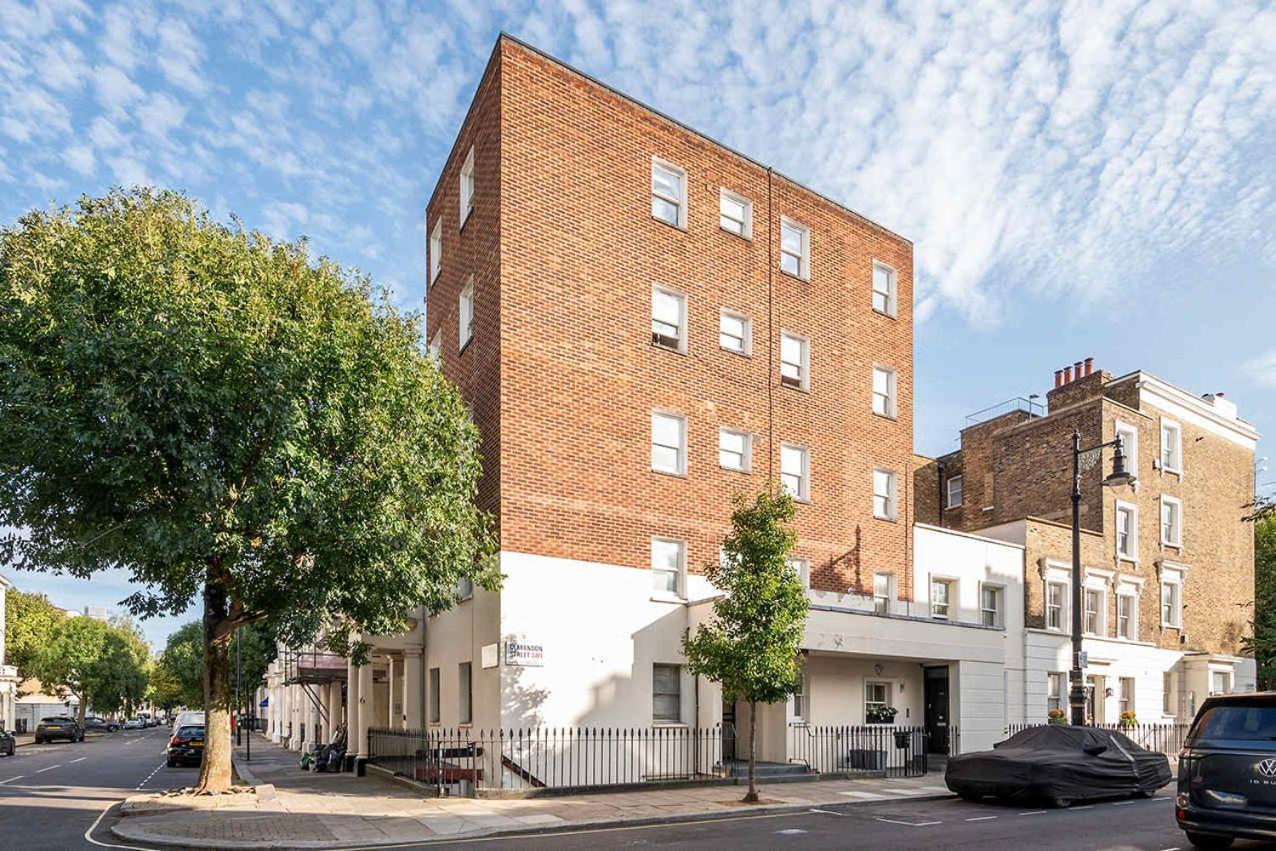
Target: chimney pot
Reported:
point(1067, 375)
point(1076, 370)
point(1058, 378)
point(1089, 366)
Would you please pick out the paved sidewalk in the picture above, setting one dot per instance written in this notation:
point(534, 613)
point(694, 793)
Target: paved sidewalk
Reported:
point(298, 809)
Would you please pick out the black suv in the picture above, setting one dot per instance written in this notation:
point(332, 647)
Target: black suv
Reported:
point(59, 727)
point(1227, 771)
point(7, 742)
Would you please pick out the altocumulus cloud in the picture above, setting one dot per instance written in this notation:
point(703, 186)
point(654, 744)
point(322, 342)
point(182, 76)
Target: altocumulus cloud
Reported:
point(1062, 149)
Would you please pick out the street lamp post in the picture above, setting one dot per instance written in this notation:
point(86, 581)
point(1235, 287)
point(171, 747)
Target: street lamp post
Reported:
point(1084, 459)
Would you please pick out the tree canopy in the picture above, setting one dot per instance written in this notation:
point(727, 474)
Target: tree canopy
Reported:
point(29, 620)
point(227, 417)
point(103, 665)
point(180, 666)
point(1263, 642)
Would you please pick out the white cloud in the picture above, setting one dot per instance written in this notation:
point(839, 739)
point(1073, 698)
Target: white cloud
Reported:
point(160, 115)
point(80, 158)
point(1261, 369)
point(115, 89)
point(180, 55)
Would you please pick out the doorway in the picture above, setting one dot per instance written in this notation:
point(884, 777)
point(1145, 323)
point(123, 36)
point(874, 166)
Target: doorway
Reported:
point(935, 695)
point(728, 731)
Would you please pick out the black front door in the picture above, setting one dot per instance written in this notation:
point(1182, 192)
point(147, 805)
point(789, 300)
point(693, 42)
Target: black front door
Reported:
point(936, 697)
point(728, 730)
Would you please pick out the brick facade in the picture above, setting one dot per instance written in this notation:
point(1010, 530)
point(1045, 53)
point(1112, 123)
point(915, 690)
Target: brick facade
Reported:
point(562, 375)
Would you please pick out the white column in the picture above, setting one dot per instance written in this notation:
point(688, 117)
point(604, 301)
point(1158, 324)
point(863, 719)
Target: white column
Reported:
point(360, 743)
point(393, 694)
point(352, 710)
point(413, 687)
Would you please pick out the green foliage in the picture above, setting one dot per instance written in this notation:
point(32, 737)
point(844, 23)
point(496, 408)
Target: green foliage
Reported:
point(224, 415)
point(1263, 642)
point(751, 645)
point(181, 666)
point(103, 665)
point(29, 620)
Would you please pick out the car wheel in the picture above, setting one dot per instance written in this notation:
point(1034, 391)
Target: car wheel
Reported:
point(1061, 803)
point(39, 741)
point(1209, 841)
point(170, 763)
point(969, 795)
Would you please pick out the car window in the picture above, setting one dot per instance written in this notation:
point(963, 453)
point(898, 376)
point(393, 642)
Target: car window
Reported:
point(1233, 723)
point(191, 733)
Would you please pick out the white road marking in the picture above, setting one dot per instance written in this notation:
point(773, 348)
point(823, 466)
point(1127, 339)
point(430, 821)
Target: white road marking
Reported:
point(866, 796)
point(932, 788)
point(789, 831)
point(152, 774)
point(11, 779)
point(981, 818)
point(826, 812)
point(81, 759)
point(50, 768)
point(909, 823)
point(1033, 813)
point(1084, 807)
point(1123, 803)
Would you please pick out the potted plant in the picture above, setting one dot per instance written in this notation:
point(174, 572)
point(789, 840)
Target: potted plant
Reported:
point(1127, 719)
point(1056, 716)
point(880, 714)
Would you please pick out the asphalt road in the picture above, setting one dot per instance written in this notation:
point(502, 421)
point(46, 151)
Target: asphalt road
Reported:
point(51, 794)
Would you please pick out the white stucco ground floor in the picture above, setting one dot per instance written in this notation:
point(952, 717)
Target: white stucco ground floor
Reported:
point(8, 696)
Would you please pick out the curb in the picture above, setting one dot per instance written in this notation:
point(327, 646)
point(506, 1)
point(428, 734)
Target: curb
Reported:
point(119, 830)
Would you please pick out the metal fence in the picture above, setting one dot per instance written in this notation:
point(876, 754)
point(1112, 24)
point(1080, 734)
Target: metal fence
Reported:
point(872, 749)
point(1166, 738)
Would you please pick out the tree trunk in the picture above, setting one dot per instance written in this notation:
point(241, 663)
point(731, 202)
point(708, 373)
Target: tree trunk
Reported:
point(83, 708)
point(752, 795)
point(215, 772)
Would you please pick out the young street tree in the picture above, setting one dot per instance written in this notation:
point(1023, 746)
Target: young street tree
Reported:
point(228, 418)
point(752, 643)
point(100, 664)
point(29, 620)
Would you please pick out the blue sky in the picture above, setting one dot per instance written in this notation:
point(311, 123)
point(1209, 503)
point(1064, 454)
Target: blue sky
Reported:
point(1079, 179)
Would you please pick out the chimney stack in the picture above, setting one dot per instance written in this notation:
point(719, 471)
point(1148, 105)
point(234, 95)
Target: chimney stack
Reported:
point(1076, 370)
point(1067, 375)
point(1058, 378)
point(1089, 366)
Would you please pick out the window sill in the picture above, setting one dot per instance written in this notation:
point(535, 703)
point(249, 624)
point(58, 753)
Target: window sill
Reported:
point(680, 227)
point(801, 500)
point(735, 351)
point(747, 237)
point(465, 218)
point(676, 725)
point(464, 346)
point(806, 279)
point(885, 314)
point(891, 417)
point(670, 349)
point(1134, 560)
point(743, 470)
point(682, 475)
point(798, 387)
point(952, 507)
point(659, 597)
point(885, 519)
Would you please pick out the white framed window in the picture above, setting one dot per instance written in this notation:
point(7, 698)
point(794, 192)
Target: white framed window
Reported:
point(464, 694)
point(1171, 521)
point(883, 391)
point(1125, 695)
point(1171, 446)
point(795, 361)
point(1127, 615)
point(735, 449)
point(884, 285)
point(465, 315)
point(877, 702)
point(1129, 445)
point(436, 250)
point(795, 249)
point(883, 592)
point(1056, 605)
point(942, 599)
point(1127, 531)
point(435, 702)
point(668, 193)
point(803, 569)
point(1220, 682)
point(953, 489)
point(795, 471)
point(666, 694)
point(668, 319)
point(668, 565)
point(1095, 612)
point(1056, 690)
point(1171, 598)
point(1169, 694)
point(735, 332)
point(735, 214)
point(801, 702)
point(668, 443)
point(990, 597)
point(467, 186)
point(884, 491)
point(436, 346)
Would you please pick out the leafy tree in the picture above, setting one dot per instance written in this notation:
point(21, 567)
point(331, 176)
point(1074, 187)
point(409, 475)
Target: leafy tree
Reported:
point(752, 643)
point(1263, 641)
point(251, 652)
point(163, 688)
point(96, 662)
point(29, 620)
point(225, 416)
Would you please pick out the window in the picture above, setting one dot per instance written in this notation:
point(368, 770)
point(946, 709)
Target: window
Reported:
point(1171, 521)
point(990, 605)
point(884, 494)
point(465, 694)
point(883, 289)
point(1056, 604)
point(465, 315)
point(436, 250)
point(434, 695)
point(802, 568)
point(1169, 694)
point(734, 450)
point(940, 598)
point(467, 186)
point(1056, 690)
point(795, 354)
point(735, 214)
point(436, 346)
point(668, 319)
point(668, 443)
point(1127, 616)
point(666, 694)
point(877, 703)
point(795, 471)
point(1129, 445)
point(1171, 600)
point(668, 560)
point(1094, 611)
point(795, 249)
point(954, 493)
point(883, 592)
point(735, 332)
point(1127, 531)
point(1171, 447)
point(1220, 682)
point(883, 391)
point(801, 703)
point(668, 193)
point(1125, 698)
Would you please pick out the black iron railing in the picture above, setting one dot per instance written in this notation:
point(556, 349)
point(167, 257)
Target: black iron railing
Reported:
point(868, 749)
point(1166, 738)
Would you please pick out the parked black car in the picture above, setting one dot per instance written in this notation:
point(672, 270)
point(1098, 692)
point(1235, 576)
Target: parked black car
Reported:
point(7, 743)
point(1059, 765)
point(58, 727)
point(1227, 771)
point(186, 746)
point(94, 724)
